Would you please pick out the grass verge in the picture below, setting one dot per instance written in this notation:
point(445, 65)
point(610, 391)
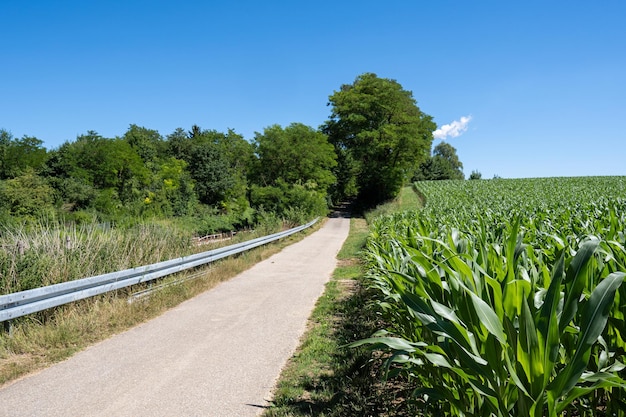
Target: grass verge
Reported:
point(325, 377)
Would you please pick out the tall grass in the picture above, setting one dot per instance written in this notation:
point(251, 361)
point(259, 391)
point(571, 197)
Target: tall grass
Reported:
point(47, 254)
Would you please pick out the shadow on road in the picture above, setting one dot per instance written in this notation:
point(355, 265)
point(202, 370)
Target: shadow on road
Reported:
point(342, 210)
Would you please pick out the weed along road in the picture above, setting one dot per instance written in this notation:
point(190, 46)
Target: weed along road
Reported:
point(218, 354)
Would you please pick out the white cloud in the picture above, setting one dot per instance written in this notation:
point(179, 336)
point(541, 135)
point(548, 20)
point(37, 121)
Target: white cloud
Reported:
point(452, 130)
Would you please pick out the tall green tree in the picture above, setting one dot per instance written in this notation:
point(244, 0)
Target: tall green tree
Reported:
point(178, 144)
point(148, 144)
point(18, 156)
point(475, 175)
point(210, 170)
point(293, 170)
point(218, 163)
point(295, 154)
point(239, 154)
point(443, 165)
point(380, 133)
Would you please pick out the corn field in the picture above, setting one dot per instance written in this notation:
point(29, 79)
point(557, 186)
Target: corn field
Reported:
point(504, 297)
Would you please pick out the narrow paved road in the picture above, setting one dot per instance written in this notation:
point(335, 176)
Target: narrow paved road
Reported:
point(218, 354)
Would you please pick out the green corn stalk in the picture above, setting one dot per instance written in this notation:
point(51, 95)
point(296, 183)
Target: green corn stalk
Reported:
point(499, 341)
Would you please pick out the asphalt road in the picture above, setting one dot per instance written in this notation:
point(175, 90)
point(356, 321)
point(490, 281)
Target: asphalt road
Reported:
point(218, 354)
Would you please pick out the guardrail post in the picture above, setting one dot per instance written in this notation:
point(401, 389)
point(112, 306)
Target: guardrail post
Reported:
point(6, 325)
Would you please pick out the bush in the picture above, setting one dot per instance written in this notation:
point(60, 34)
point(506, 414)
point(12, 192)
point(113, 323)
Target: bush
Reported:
point(28, 195)
point(475, 175)
point(288, 199)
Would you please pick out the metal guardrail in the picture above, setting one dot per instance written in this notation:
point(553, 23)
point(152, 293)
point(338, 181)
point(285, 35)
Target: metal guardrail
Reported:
point(38, 299)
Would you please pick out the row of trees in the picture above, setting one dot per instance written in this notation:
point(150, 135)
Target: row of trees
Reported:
point(375, 140)
point(186, 173)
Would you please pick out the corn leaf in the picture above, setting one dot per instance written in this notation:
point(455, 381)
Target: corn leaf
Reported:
point(594, 318)
point(575, 280)
point(488, 318)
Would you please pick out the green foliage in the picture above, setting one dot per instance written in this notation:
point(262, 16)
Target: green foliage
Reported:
point(295, 154)
point(268, 198)
point(173, 190)
point(75, 192)
point(380, 133)
point(444, 164)
point(211, 222)
point(178, 144)
point(20, 155)
point(475, 175)
point(100, 163)
point(210, 171)
point(148, 144)
point(292, 172)
point(292, 199)
point(107, 203)
point(218, 163)
point(346, 187)
point(203, 174)
point(377, 137)
point(505, 297)
point(28, 196)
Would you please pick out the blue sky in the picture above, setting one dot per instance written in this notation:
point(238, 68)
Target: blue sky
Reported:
point(533, 88)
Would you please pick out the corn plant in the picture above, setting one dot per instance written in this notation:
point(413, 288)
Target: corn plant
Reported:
point(501, 317)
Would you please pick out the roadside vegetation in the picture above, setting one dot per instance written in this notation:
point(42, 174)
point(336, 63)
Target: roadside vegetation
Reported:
point(325, 377)
point(41, 339)
point(98, 204)
point(498, 298)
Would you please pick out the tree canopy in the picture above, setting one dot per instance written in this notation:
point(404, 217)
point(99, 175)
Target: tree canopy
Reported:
point(380, 135)
point(374, 141)
point(295, 154)
point(218, 163)
point(444, 164)
point(293, 169)
point(18, 156)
